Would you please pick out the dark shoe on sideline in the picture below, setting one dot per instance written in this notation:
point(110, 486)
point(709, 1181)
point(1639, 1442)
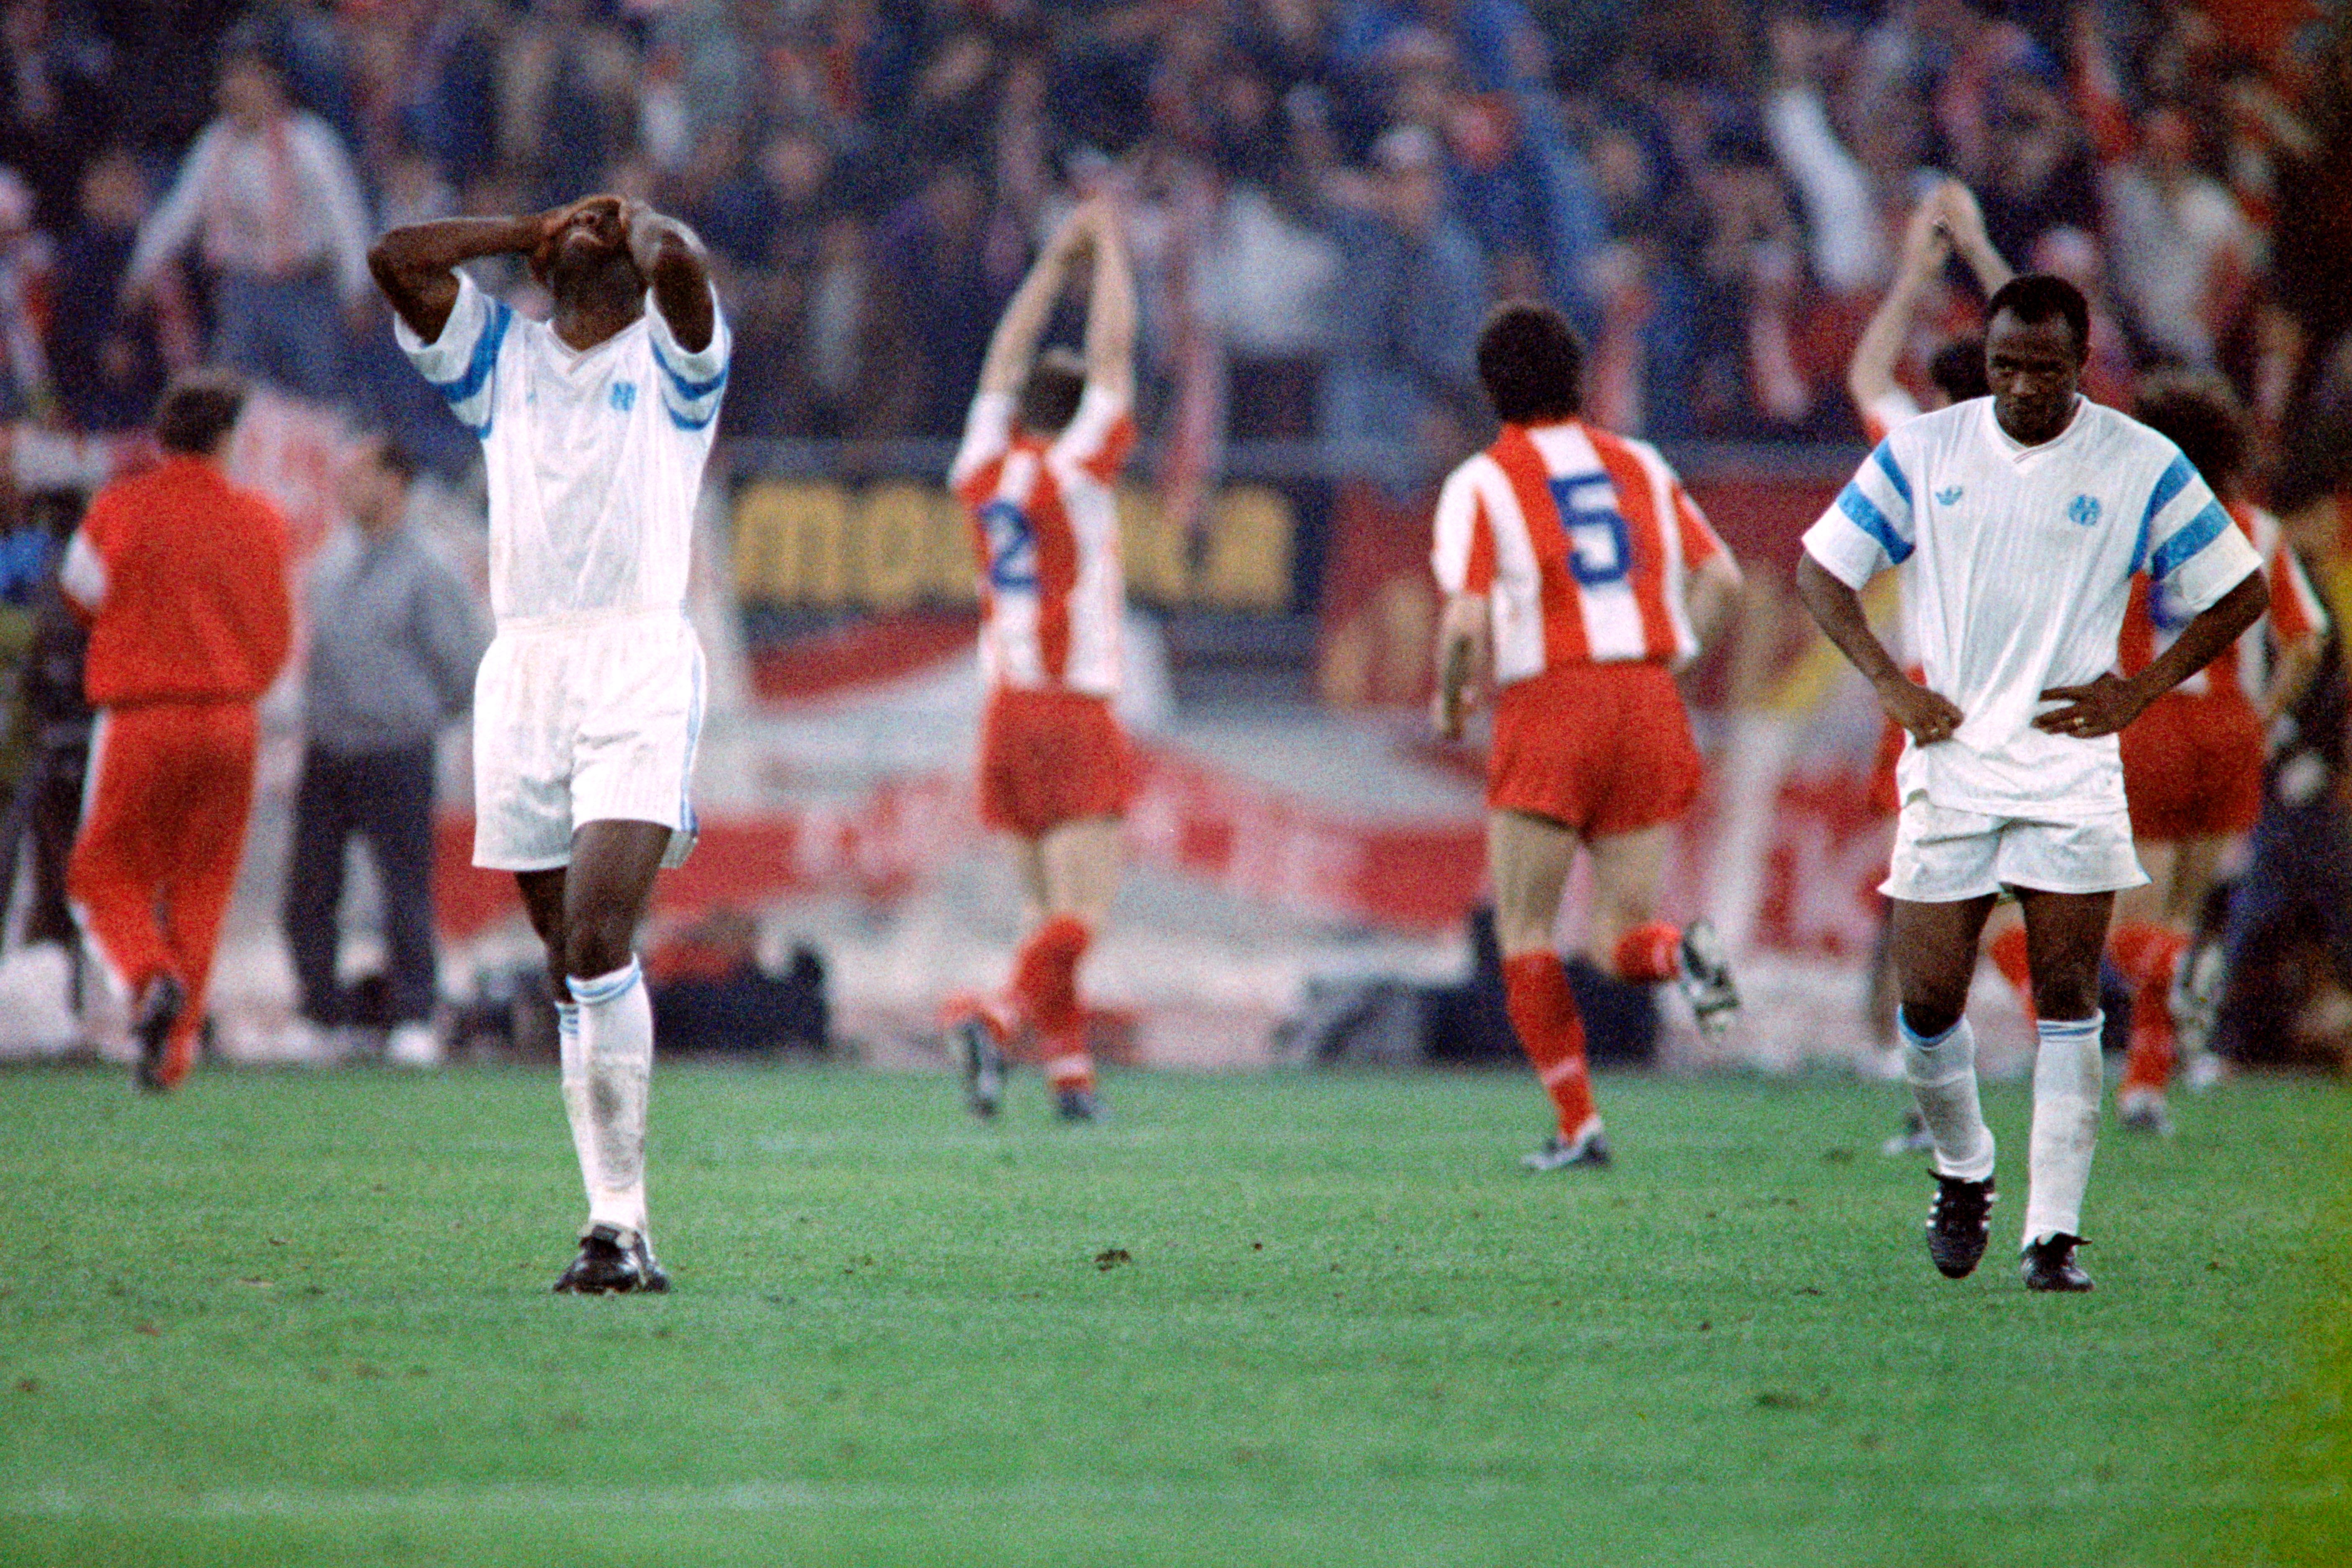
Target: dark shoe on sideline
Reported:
point(159, 1006)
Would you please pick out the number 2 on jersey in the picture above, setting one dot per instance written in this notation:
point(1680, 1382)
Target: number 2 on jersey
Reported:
point(1012, 547)
point(1599, 548)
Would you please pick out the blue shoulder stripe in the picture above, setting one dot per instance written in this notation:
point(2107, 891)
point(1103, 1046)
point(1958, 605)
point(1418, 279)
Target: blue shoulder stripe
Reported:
point(2170, 483)
point(699, 422)
point(1886, 461)
point(484, 360)
point(1864, 513)
point(688, 389)
point(2194, 536)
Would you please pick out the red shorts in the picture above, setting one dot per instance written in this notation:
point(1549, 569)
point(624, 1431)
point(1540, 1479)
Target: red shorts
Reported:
point(2193, 767)
point(1051, 757)
point(1603, 749)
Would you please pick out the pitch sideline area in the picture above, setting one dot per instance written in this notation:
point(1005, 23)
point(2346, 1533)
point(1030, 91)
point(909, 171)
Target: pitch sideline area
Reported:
point(303, 1319)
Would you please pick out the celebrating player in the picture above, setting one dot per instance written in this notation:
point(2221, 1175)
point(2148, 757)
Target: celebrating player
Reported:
point(1578, 576)
point(594, 428)
point(1042, 444)
point(2020, 522)
point(2194, 761)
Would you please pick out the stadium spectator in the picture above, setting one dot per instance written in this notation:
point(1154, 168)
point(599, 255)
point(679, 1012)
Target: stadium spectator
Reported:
point(107, 358)
point(1399, 392)
point(2181, 251)
point(395, 641)
point(182, 575)
point(268, 193)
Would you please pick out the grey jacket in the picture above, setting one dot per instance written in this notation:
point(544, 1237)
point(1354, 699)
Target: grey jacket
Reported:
point(394, 640)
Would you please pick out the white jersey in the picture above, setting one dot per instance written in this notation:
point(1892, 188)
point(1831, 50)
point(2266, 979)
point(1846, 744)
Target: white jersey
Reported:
point(2017, 565)
point(594, 459)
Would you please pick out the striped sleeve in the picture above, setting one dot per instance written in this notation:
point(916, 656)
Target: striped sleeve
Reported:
point(987, 432)
point(1463, 554)
point(461, 364)
point(2187, 543)
point(1870, 526)
point(692, 382)
point(1699, 541)
point(1099, 436)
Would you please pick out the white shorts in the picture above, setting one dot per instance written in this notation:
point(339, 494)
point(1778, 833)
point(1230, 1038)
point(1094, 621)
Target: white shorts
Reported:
point(1943, 855)
point(590, 718)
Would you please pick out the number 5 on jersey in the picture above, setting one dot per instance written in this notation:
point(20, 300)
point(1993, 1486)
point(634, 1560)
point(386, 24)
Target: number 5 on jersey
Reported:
point(1600, 547)
point(1012, 547)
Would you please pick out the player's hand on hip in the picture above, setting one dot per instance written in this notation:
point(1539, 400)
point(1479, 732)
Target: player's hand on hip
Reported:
point(2104, 706)
point(1927, 716)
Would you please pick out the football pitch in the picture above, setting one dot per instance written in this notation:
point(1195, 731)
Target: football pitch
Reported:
point(304, 1318)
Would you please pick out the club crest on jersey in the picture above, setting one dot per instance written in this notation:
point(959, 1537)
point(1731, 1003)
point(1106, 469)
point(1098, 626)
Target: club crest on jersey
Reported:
point(2083, 509)
point(1949, 496)
point(623, 397)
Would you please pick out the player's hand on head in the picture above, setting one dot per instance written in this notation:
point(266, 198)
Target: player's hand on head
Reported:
point(2105, 707)
point(1927, 716)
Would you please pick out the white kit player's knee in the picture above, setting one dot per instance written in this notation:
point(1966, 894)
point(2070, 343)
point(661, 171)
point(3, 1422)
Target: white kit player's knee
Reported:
point(616, 1038)
point(2066, 1081)
point(1942, 1073)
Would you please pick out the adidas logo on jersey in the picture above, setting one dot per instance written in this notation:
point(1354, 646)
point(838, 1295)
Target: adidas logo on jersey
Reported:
point(2083, 509)
point(1949, 496)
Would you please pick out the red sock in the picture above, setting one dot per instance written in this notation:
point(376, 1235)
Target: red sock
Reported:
point(2147, 954)
point(1543, 1011)
point(1649, 953)
point(1045, 984)
point(2008, 957)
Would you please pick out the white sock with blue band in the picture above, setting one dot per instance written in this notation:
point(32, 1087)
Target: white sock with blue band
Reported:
point(616, 1051)
point(2067, 1075)
point(1942, 1072)
point(576, 1108)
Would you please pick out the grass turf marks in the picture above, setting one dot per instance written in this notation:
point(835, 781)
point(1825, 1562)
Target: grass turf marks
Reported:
point(305, 1318)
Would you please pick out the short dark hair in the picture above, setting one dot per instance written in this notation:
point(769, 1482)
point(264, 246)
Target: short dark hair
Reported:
point(197, 411)
point(2202, 415)
point(1958, 369)
point(1049, 395)
point(2034, 298)
point(1531, 362)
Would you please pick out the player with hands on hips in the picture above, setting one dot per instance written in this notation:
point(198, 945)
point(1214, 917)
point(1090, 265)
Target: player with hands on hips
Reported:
point(595, 426)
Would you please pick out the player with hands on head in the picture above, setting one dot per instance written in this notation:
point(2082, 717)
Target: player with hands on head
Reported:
point(1578, 576)
point(595, 426)
point(1042, 450)
point(2019, 522)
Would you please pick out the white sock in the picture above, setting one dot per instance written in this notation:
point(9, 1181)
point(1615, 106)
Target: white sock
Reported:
point(2066, 1080)
point(576, 1092)
point(616, 1044)
point(1942, 1073)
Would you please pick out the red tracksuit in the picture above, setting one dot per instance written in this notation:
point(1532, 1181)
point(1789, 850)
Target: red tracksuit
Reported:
point(184, 576)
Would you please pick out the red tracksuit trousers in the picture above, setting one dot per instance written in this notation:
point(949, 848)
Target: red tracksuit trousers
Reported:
point(170, 787)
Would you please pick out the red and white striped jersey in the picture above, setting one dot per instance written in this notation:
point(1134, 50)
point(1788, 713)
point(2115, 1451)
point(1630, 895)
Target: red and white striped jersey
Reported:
point(1583, 542)
point(1044, 522)
point(2153, 621)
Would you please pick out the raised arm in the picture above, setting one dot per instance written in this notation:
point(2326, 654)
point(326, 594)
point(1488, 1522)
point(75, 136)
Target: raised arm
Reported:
point(1870, 374)
point(416, 265)
point(671, 258)
point(1110, 308)
point(1836, 608)
point(1014, 347)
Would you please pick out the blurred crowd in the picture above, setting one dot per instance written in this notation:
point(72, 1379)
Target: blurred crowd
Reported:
point(1326, 194)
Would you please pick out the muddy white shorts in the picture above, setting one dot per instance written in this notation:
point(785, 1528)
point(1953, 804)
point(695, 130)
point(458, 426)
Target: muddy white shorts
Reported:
point(1943, 855)
point(587, 718)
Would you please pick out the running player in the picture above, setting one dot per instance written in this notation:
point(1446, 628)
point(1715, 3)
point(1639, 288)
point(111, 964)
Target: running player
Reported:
point(1041, 448)
point(2194, 761)
point(2020, 522)
point(594, 429)
point(1578, 576)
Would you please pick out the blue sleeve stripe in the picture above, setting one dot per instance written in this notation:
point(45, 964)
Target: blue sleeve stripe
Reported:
point(1864, 513)
point(2174, 479)
point(688, 389)
point(1886, 460)
point(2194, 536)
point(696, 422)
point(485, 358)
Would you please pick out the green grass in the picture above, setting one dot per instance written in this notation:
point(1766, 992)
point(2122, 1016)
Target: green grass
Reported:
point(290, 1319)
